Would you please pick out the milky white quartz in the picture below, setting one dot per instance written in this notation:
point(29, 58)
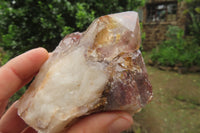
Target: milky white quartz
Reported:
point(98, 70)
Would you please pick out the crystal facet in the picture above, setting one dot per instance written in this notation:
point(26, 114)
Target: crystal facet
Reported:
point(101, 69)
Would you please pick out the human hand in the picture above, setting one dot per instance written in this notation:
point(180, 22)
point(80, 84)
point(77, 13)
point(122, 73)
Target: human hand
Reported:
point(19, 71)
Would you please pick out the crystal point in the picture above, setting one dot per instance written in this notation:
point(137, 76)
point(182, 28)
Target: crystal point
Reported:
point(101, 69)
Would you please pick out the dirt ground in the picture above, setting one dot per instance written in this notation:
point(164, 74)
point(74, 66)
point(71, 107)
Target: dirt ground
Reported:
point(175, 107)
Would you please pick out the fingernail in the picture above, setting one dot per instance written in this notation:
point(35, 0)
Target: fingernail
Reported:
point(120, 124)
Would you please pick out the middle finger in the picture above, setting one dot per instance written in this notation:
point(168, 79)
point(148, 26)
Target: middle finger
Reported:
point(11, 122)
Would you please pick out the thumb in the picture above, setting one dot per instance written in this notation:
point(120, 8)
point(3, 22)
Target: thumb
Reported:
point(107, 122)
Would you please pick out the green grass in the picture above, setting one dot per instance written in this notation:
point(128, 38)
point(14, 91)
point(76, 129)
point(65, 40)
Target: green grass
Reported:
point(175, 107)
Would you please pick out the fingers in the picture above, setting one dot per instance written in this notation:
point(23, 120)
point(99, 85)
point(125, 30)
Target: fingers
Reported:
point(29, 130)
point(20, 69)
point(107, 122)
point(3, 105)
point(11, 122)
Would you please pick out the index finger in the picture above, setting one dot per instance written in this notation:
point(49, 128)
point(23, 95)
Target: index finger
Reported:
point(17, 71)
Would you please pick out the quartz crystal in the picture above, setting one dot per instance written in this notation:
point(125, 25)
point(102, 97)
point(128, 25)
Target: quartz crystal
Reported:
point(101, 69)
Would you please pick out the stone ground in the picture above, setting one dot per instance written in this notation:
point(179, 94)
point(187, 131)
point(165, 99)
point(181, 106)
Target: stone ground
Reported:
point(175, 107)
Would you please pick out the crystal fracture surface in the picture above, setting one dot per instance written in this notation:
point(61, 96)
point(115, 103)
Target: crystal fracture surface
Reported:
point(98, 70)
